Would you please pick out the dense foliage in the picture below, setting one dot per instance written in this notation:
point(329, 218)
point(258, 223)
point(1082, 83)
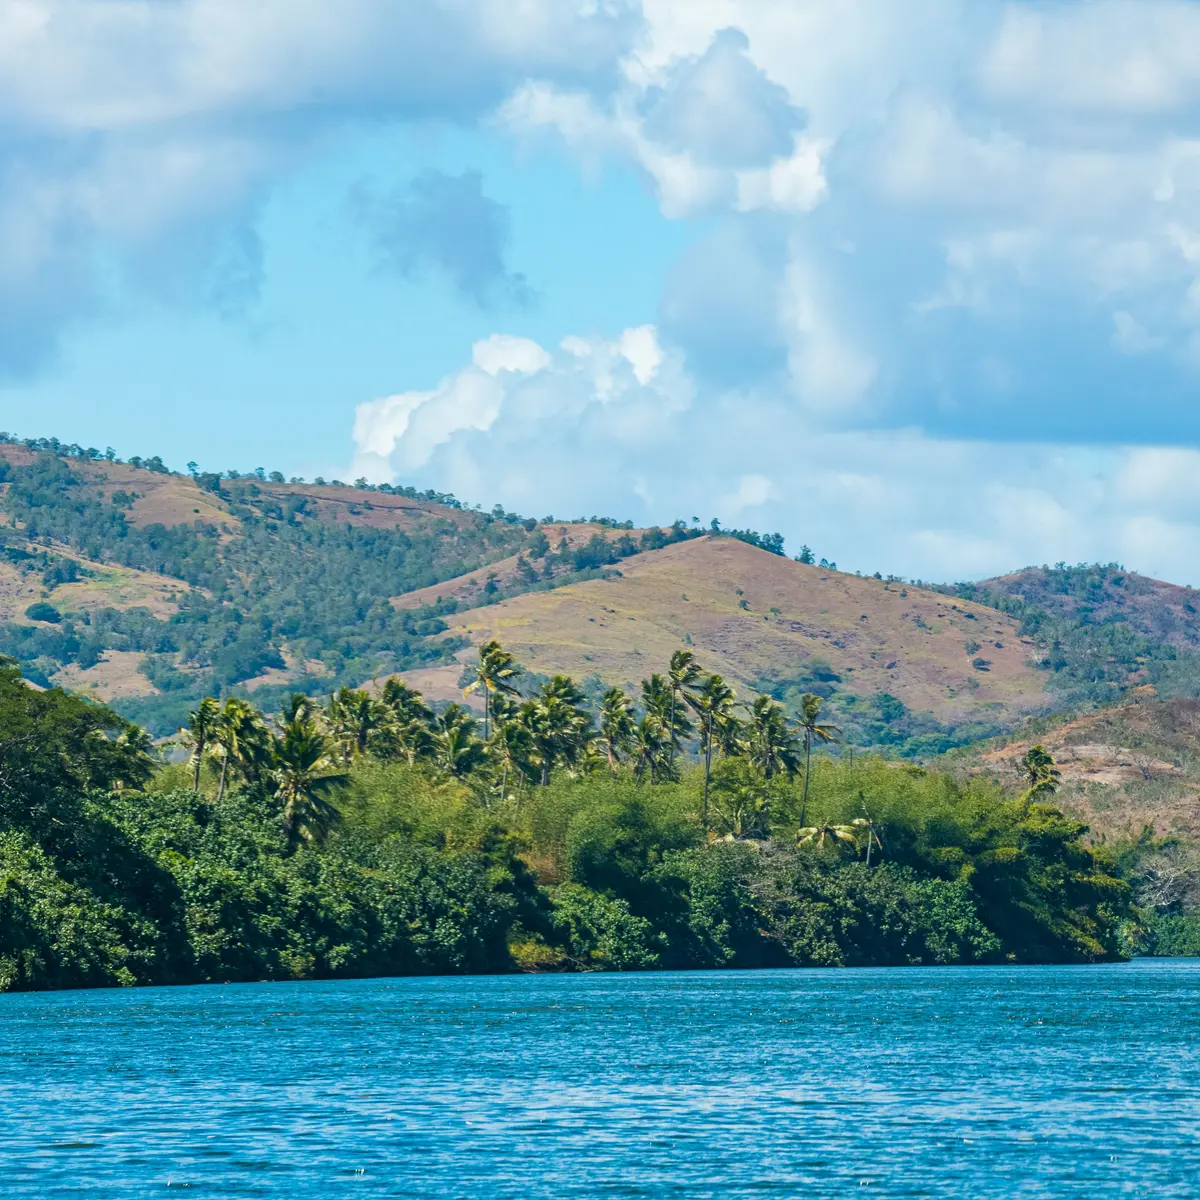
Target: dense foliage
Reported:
point(374, 836)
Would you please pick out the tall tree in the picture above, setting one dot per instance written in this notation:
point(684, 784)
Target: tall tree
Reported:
point(456, 749)
point(770, 743)
point(354, 717)
point(682, 675)
point(650, 747)
point(616, 725)
point(558, 724)
point(304, 775)
point(495, 673)
point(657, 700)
point(407, 729)
point(201, 732)
point(810, 722)
point(242, 738)
point(1040, 772)
point(712, 703)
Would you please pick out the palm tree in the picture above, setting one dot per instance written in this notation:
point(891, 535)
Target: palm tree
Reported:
point(494, 673)
point(616, 725)
point(712, 702)
point(649, 742)
point(354, 716)
point(658, 700)
point(406, 729)
point(835, 835)
point(304, 775)
point(1038, 768)
point(456, 749)
point(770, 744)
point(242, 737)
point(743, 804)
point(810, 722)
point(201, 731)
point(510, 746)
point(557, 723)
point(682, 674)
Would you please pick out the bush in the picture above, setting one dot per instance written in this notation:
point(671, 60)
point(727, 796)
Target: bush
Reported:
point(41, 611)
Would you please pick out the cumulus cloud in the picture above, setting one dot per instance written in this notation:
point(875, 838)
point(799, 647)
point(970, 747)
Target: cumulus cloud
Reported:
point(146, 136)
point(444, 222)
point(576, 429)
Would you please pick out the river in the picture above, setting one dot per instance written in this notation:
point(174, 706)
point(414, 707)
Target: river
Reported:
point(957, 1082)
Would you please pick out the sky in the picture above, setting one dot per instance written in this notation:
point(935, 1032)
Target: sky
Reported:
point(916, 285)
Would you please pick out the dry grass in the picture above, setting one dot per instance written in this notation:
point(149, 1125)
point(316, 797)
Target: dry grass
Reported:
point(116, 675)
point(877, 637)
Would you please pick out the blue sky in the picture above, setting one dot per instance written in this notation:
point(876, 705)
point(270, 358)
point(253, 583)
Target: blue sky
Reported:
point(918, 285)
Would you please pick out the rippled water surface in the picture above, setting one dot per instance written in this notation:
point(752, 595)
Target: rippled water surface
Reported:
point(965, 1082)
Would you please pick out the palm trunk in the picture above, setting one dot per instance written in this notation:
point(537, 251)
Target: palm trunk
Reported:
point(807, 765)
point(199, 759)
point(224, 772)
point(707, 774)
point(671, 733)
point(487, 708)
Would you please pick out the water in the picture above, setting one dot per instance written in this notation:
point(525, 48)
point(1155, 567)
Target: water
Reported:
point(963, 1082)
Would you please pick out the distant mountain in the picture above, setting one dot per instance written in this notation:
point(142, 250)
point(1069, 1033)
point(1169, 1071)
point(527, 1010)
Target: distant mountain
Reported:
point(149, 589)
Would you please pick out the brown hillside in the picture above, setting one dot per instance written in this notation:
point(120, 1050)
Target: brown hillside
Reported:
point(1122, 768)
point(876, 637)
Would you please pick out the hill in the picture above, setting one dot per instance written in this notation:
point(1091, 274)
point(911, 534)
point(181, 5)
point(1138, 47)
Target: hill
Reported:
point(899, 664)
point(1123, 769)
point(1101, 630)
point(149, 589)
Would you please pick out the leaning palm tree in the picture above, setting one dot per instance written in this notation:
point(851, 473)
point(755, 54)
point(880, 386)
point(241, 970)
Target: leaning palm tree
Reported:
point(304, 775)
point(494, 673)
point(511, 748)
point(201, 733)
point(835, 835)
point(405, 731)
point(810, 722)
point(712, 703)
point(743, 804)
point(683, 674)
point(616, 725)
point(771, 745)
point(558, 724)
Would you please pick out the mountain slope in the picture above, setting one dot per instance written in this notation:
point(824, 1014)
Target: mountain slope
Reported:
point(1123, 768)
point(769, 623)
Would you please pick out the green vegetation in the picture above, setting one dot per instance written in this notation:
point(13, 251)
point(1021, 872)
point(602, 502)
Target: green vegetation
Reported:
point(373, 835)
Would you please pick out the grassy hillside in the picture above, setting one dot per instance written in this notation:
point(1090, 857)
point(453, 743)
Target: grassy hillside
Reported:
point(1124, 769)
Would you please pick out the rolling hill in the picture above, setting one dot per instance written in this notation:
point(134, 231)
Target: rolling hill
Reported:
point(148, 589)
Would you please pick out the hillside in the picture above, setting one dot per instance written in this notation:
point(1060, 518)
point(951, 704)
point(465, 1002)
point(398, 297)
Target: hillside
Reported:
point(896, 662)
point(1123, 769)
point(149, 589)
point(1101, 630)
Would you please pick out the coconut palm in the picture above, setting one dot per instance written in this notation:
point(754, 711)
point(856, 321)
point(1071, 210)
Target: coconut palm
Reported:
point(682, 675)
point(712, 703)
point(810, 722)
point(770, 743)
point(742, 803)
point(650, 747)
point(355, 718)
point(494, 673)
point(835, 835)
point(1038, 768)
point(616, 725)
point(558, 725)
point(456, 749)
point(511, 749)
point(242, 740)
point(304, 774)
point(406, 729)
point(201, 733)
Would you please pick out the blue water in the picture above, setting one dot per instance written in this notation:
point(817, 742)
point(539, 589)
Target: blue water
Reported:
point(964, 1082)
